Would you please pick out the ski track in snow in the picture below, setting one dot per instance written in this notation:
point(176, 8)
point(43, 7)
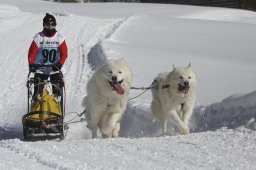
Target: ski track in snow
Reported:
point(39, 156)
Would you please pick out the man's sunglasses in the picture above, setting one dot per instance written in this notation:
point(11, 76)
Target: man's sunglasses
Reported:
point(50, 24)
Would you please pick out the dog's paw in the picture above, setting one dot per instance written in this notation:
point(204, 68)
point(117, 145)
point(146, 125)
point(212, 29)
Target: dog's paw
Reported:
point(115, 133)
point(184, 130)
point(105, 136)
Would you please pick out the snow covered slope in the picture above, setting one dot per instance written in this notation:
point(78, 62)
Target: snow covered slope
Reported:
point(219, 42)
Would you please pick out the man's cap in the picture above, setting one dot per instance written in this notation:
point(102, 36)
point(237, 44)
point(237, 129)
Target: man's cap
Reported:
point(49, 18)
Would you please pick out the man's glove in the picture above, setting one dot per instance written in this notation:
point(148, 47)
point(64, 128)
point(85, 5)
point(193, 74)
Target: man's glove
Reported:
point(57, 66)
point(32, 68)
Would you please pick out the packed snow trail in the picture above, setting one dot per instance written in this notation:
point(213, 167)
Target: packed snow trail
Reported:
point(232, 149)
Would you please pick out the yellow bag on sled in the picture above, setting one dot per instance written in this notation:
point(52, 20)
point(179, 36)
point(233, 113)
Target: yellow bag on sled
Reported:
point(45, 105)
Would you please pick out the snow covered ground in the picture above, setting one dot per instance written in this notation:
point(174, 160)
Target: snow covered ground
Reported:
point(219, 42)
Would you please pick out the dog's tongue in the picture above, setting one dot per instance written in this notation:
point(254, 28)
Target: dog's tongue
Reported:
point(118, 88)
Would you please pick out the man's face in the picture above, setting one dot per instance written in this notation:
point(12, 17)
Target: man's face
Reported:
point(49, 25)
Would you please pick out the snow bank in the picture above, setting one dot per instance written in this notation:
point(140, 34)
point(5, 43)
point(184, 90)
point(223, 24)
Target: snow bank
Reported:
point(7, 11)
point(227, 15)
point(232, 112)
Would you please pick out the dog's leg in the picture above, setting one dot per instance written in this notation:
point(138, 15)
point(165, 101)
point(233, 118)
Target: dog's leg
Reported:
point(95, 115)
point(115, 132)
point(102, 124)
point(108, 127)
point(186, 117)
point(94, 133)
point(164, 126)
point(183, 128)
point(187, 113)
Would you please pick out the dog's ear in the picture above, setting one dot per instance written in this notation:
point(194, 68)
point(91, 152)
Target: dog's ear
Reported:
point(173, 66)
point(121, 59)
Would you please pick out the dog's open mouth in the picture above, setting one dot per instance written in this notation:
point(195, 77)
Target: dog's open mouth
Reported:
point(183, 88)
point(116, 85)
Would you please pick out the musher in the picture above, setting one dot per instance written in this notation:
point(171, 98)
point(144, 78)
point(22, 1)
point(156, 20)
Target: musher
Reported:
point(48, 48)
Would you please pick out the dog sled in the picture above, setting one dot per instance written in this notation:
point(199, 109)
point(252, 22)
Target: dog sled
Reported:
point(46, 112)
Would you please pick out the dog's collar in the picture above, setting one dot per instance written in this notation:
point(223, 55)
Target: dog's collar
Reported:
point(165, 86)
point(182, 105)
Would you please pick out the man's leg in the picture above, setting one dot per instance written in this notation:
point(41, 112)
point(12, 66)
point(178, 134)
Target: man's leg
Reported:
point(38, 86)
point(57, 84)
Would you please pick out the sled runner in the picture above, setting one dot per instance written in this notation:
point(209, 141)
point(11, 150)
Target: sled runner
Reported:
point(46, 111)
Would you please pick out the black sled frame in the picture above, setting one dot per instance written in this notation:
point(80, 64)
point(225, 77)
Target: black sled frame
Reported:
point(47, 125)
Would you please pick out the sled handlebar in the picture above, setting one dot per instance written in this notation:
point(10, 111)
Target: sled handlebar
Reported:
point(41, 66)
point(38, 65)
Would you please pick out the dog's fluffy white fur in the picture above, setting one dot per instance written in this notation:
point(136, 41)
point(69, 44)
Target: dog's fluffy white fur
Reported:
point(174, 98)
point(107, 97)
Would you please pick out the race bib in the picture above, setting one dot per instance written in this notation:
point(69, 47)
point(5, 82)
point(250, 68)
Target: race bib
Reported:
point(48, 51)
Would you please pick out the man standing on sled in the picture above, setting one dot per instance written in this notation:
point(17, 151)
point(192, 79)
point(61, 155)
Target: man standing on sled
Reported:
point(48, 49)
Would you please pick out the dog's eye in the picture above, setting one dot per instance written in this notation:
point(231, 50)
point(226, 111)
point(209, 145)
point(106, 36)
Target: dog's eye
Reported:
point(189, 77)
point(181, 77)
point(120, 72)
point(110, 72)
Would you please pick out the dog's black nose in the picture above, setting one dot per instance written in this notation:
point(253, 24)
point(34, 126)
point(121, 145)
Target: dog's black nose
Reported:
point(114, 78)
point(186, 83)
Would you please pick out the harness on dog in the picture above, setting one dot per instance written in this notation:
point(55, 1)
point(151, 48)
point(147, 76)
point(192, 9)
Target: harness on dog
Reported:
point(148, 88)
point(182, 105)
point(152, 86)
point(165, 86)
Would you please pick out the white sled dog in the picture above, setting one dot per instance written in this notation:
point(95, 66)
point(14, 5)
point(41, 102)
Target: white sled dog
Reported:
point(107, 97)
point(174, 98)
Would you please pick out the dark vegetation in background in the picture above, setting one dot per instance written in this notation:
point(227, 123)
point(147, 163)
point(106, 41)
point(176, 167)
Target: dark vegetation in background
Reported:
point(240, 4)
